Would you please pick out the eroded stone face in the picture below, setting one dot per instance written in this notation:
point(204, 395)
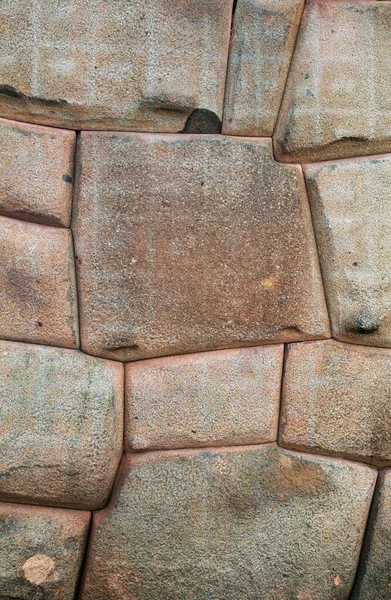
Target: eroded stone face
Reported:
point(140, 66)
point(190, 243)
point(263, 37)
point(337, 102)
point(60, 426)
point(374, 577)
point(36, 173)
point(227, 524)
point(230, 397)
point(351, 208)
point(38, 288)
point(336, 400)
point(41, 552)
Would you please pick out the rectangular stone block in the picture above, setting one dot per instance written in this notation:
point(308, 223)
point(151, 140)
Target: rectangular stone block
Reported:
point(336, 400)
point(61, 426)
point(192, 243)
point(229, 397)
point(36, 173)
point(120, 65)
point(38, 290)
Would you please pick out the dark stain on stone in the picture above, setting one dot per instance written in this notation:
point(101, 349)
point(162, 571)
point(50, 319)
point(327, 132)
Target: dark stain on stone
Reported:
point(202, 120)
point(11, 92)
point(67, 178)
point(364, 323)
point(353, 138)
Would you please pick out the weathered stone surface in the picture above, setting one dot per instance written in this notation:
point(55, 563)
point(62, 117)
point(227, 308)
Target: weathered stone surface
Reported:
point(337, 101)
point(38, 288)
point(189, 243)
point(41, 552)
point(141, 66)
point(263, 37)
point(351, 208)
point(374, 576)
point(336, 400)
point(229, 524)
point(60, 426)
point(36, 173)
point(230, 397)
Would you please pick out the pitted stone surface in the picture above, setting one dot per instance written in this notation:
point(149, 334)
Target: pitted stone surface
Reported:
point(60, 426)
point(351, 209)
point(336, 400)
point(263, 38)
point(337, 102)
point(36, 173)
point(230, 397)
point(41, 552)
point(221, 524)
point(38, 288)
point(374, 577)
point(141, 66)
point(190, 243)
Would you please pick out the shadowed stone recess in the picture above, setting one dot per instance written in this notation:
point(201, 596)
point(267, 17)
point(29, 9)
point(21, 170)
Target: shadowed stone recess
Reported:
point(43, 553)
point(60, 426)
point(36, 173)
point(38, 287)
point(140, 66)
point(351, 209)
point(336, 400)
point(337, 102)
point(243, 523)
point(190, 243)
point(230, 397)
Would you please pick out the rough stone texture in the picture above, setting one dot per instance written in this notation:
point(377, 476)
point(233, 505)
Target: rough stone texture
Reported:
point(60, 426)
point(36, 173)
point(336, 400)
point(229, 397)
point(263, 37)
point(38, 288)
point(41, 552)
point(337, 101)
point(351, 208)
point(374, 578)
point(141, 66)
point(211, 246)
point(230, 524)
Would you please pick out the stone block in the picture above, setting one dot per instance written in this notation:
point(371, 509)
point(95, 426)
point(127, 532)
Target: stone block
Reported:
point(228, 397)
point(139, 66)
point(38, 291)
point(337, 102)
point(192, 243)
point(229, 524)
point(263, 38)
point(336, 401)
point(36, 173)
point(41, 553)
point(351, 208)
point(61, 423)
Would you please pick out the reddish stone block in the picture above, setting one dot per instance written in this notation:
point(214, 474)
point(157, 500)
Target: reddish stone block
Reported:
point(36, 173)
point(229, 397)
point(38, 292)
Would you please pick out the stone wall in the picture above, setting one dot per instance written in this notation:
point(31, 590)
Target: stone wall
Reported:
point(195, 324)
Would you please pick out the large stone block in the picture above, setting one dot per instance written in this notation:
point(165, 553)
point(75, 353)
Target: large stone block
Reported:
point(190, 243)
point(36, 173)
point(374, 575)
point(351, 208)
point(263, 38)
point(41, 552)
point(230, 397)
point(61, 426)
point(38, 288)
point(243, 523)
point(337, 102)
point(140, 66)
point(336, 400)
